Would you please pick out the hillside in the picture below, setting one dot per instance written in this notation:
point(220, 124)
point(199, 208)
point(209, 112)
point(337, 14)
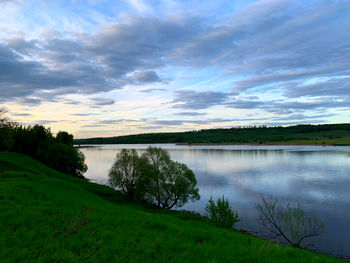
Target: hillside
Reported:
point(47, 216)
point(330, 134)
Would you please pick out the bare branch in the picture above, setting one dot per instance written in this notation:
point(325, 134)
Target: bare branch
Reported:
point(289, 222)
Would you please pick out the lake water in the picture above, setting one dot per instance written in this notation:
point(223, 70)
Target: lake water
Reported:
point(315, 176)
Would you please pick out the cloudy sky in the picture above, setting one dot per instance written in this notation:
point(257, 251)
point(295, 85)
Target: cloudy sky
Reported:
point(105, 68)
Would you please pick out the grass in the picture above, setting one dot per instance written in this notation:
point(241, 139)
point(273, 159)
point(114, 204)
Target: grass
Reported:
point(47, 216)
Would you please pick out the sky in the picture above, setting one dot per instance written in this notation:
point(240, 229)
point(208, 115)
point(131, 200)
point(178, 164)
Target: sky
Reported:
point(99, 68)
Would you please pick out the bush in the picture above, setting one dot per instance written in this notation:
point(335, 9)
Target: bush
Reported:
point(221, 213)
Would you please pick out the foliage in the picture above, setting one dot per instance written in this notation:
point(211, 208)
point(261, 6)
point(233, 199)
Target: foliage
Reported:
point(64, 137)
point(315, 134)
point(125, 172)
point(166, 183)
point(6, 138)
point(47, 216)
point(221, 213)
point(66, 159)
point(154, 178)
point(290, 223)
point(37, 141)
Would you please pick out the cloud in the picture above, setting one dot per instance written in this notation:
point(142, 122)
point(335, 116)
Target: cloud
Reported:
point(189, 99)
point(152, 89)
point(168, 122)
point(298, 52)
point(192, 113)
point(338, 87)
point(91, 126)
point(102, 101)
point(84, 114)
point(21, 114)
point(287, 107)
point(146, 76)
point(117, 121)
point(44, 122)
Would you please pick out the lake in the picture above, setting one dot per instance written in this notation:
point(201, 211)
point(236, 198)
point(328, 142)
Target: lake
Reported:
point(318, 177)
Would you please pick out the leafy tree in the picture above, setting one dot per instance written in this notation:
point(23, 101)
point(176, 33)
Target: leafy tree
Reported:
point(66, 159)
point(290, 223)
point(167, 183)
point(64, 137)
point(221, 213)
point(126, 171)
point(6, 134)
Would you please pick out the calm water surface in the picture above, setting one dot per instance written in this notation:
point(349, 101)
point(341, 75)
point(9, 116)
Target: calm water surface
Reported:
point(317, 177)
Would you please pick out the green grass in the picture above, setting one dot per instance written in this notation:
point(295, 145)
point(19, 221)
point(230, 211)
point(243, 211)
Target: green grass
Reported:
point(47, 216)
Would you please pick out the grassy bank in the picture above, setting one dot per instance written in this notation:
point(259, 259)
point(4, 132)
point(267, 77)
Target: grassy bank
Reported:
point(47, 216)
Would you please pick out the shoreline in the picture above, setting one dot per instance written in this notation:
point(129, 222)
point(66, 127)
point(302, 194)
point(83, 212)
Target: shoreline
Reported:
point(218, 144)
point(262, 144)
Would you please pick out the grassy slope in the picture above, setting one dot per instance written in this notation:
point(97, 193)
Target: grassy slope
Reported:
point(47, 216)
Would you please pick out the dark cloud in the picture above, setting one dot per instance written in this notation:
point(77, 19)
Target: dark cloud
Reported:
point(287, 107)
point(189, 99)
point(21, 114)
point(328, 88)
point(150, 127)
point(102, 101)
point(44, 122)
point(91, 126)
point(30, 101)
point(168, 122)
point(151, 90)
point(84, 114)
point(117, 121)
point(190, 113)
point(146, 76)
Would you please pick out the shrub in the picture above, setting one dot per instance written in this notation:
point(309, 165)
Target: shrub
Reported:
point(221, 213)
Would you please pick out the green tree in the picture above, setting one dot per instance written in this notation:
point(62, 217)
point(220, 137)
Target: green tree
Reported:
point(167, 183)
point(126, 171)
point(221, 213)
point(66, 159)
point(64, 137)
point(6, 132)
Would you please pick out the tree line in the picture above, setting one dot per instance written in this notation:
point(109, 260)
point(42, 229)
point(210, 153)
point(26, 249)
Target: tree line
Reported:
point(252, 134)
point(38, 142)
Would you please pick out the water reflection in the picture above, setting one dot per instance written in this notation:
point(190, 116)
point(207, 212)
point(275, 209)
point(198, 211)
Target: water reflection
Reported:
point(317, 177)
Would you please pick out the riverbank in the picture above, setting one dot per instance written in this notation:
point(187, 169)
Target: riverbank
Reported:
point(335, 142)
point(48, 216)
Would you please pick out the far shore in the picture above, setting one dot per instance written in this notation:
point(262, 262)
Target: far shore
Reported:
point(265, 143)
point(347, 143)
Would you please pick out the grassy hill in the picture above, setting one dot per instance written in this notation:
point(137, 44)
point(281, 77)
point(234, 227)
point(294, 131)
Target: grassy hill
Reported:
point(330, 134)
point(47, 216)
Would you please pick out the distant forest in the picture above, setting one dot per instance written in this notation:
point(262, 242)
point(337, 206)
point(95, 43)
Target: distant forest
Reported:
point(330, 134)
